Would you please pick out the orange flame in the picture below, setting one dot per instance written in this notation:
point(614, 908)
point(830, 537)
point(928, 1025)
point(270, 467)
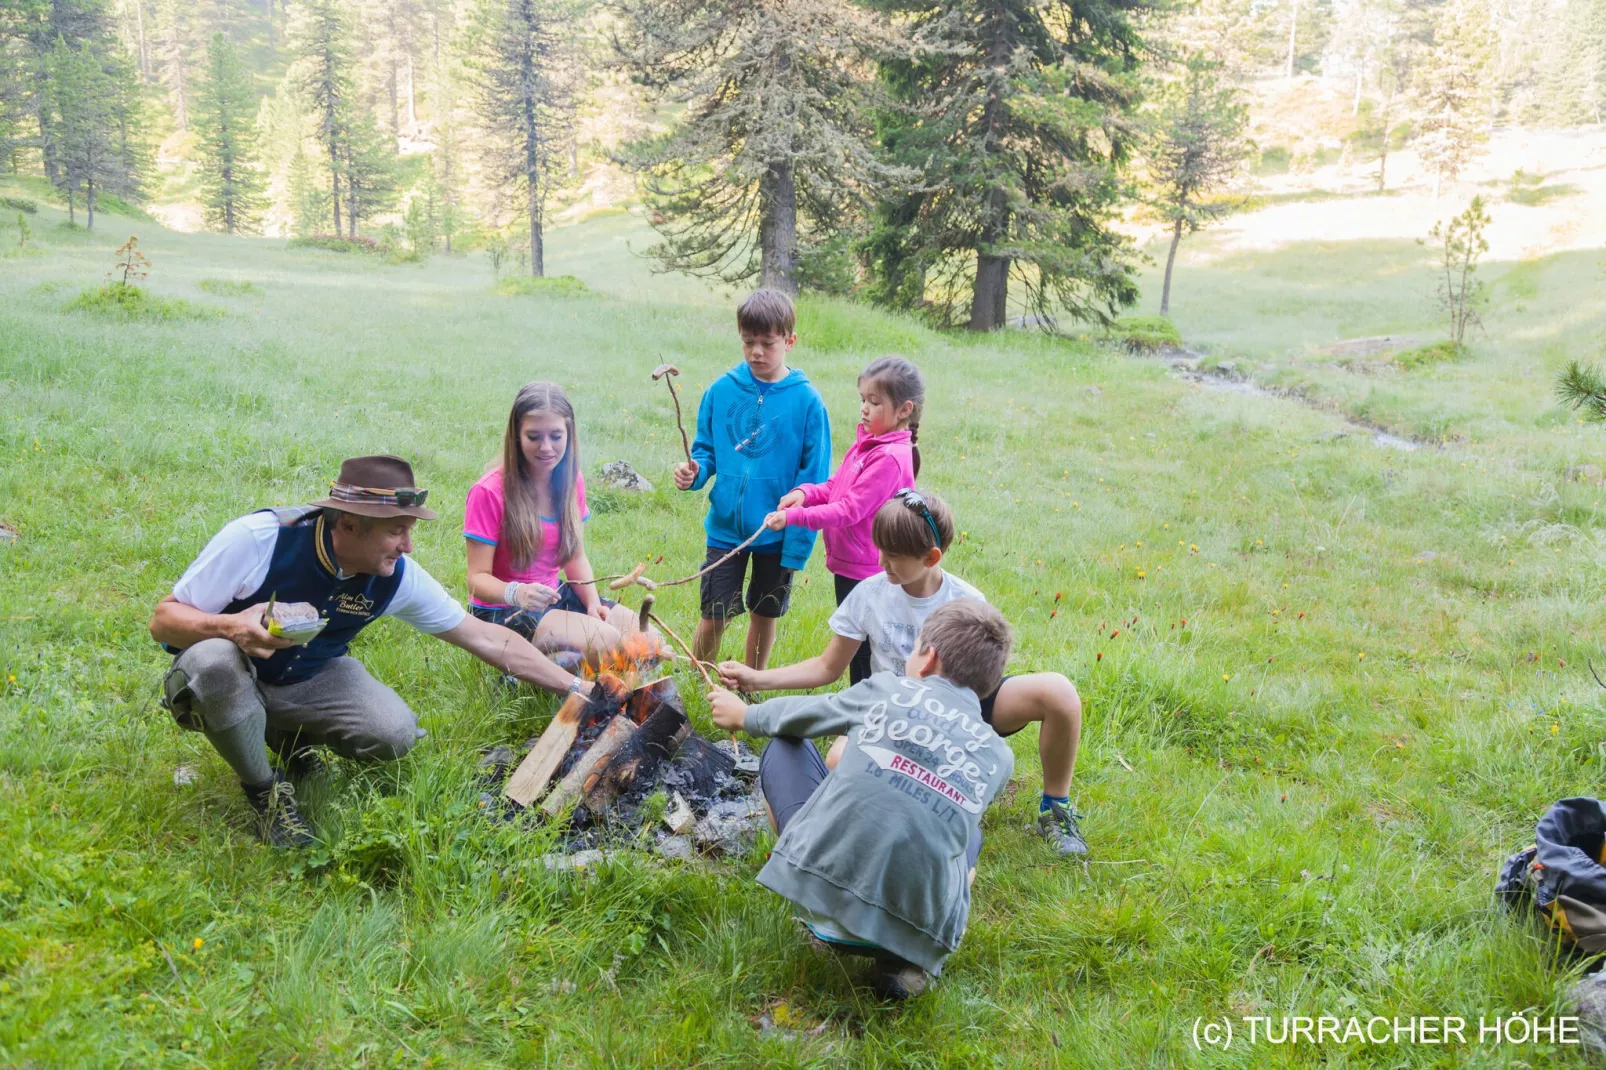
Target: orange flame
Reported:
point(635, 660)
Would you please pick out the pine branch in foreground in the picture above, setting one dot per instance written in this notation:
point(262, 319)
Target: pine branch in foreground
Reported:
point(1582, 386)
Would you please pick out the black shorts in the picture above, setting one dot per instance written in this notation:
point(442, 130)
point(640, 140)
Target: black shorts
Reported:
point(987, 707)
point(769, 589)
point(524, 622)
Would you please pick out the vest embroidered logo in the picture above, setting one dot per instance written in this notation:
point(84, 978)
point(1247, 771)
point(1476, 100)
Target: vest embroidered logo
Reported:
point(357, 605)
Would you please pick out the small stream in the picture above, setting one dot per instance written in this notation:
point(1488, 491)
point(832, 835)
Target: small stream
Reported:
point(1186, 364)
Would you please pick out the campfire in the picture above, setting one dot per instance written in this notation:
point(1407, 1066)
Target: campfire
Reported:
point(603, 755)
point(635, 662)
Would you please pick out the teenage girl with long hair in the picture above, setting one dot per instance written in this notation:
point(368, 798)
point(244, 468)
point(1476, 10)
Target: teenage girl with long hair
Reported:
point(522, 523)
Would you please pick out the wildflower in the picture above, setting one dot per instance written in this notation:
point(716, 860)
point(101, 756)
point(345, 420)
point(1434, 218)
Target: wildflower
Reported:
point(1115, 633)
point(1140, 544)
point(1555, 728)
point(1193, 548)
point(198, 944)
point(1099, 656)
point(12, 678)
point(1224, 676)
point(1361, 656)
point(1058, 595)
point(1142, 575)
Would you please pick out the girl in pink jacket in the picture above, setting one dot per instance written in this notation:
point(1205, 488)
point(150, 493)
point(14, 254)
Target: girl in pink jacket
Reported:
point(881, 461)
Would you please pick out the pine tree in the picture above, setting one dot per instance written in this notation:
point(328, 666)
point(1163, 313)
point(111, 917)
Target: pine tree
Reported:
point(1022, 125)
point(1452, 92)
point(173, 15)
point(83, 126)
point(776, 139)
point(369, 167)
point(1198, 147)
point(309, 200)
point(323, 75)
point(521, 58)
point(231, 181)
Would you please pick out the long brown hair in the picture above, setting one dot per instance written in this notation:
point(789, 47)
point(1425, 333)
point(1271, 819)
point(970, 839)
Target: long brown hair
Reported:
point(521, 518)
point(902, 382)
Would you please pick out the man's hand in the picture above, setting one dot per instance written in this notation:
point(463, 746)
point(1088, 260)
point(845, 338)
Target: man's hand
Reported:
point(776, 521)
point(248, 631)
point(728, 711)
point(737, 676)
point(534, 597)
point(686, 474)
point(791, 500)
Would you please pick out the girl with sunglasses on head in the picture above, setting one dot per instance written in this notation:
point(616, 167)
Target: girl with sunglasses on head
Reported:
point(522, 524)
point(882, 459)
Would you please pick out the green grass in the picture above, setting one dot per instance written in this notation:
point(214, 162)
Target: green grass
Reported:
point(548, 286)
point(230, 287)
point(1305, 754)
point(123, 301)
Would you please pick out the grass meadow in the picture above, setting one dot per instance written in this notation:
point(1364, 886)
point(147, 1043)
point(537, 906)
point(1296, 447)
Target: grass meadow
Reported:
point(1329, 686)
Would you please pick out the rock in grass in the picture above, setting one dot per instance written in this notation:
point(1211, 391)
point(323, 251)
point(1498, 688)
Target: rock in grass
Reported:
point(1589, 995)
point(1583, 473)
point(8, 534)
point(620, 476)
point(731, 826)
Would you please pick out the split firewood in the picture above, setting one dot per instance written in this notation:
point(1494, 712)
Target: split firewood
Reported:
point(530, 779)
point(620, 729)
point(678, 815)
point(637, 761)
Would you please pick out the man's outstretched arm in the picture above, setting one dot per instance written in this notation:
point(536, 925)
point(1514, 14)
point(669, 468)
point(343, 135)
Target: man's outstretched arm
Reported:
point(504, 649)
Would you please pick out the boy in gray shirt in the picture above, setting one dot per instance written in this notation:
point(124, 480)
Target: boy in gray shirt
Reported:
point(878, 855)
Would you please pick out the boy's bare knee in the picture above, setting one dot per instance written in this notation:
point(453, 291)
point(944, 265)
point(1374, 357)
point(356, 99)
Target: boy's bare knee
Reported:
point(834, 755)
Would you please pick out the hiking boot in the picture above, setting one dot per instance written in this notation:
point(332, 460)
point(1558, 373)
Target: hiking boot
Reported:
point(279, 823)
point(303, 763)
point(896, 979)
point(298, 761)
point(1058, 825)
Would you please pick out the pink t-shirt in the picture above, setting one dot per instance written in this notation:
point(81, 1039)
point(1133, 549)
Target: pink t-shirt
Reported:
point(482, 522)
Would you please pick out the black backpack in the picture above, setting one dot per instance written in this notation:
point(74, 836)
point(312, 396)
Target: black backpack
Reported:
point(1561, 874)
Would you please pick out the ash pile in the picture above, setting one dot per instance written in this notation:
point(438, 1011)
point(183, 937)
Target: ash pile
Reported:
point(605, 756)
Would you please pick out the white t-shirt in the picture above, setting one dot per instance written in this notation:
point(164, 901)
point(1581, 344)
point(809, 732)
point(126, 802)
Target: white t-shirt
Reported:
point(236, 562)
point(879, 610)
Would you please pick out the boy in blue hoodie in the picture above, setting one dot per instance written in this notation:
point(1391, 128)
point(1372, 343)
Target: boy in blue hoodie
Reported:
point(761, 430)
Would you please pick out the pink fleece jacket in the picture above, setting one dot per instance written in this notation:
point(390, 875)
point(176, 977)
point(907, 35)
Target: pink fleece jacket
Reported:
point(875, 468)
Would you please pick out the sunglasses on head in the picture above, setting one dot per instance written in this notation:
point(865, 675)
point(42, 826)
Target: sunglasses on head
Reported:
point(406, 497)
point(912, 499)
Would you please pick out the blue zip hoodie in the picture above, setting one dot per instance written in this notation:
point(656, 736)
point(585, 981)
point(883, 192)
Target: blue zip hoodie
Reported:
point(759, 445)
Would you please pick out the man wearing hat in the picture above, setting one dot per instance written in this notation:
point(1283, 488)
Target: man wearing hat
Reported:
point(251, 691)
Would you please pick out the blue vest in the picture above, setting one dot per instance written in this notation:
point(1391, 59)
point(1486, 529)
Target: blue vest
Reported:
point(303, 570)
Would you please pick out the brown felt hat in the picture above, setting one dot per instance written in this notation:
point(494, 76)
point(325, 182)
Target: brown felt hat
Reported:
point(381, 485)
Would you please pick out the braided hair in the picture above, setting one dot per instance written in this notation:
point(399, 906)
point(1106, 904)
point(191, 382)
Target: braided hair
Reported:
point(901, 381)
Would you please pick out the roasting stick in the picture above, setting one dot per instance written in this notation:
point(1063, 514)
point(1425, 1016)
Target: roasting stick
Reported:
point(635, 574)
point(707, 679)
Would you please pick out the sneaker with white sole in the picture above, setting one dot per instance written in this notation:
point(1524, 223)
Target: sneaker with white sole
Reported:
point(1058, 825)
point(896, 979)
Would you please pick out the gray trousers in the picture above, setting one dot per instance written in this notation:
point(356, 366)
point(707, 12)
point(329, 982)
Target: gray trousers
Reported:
point(212, 687)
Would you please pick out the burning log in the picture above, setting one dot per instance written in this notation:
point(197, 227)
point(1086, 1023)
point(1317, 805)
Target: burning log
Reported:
point(530, 779)
point(637, 761)
point(582, 776)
